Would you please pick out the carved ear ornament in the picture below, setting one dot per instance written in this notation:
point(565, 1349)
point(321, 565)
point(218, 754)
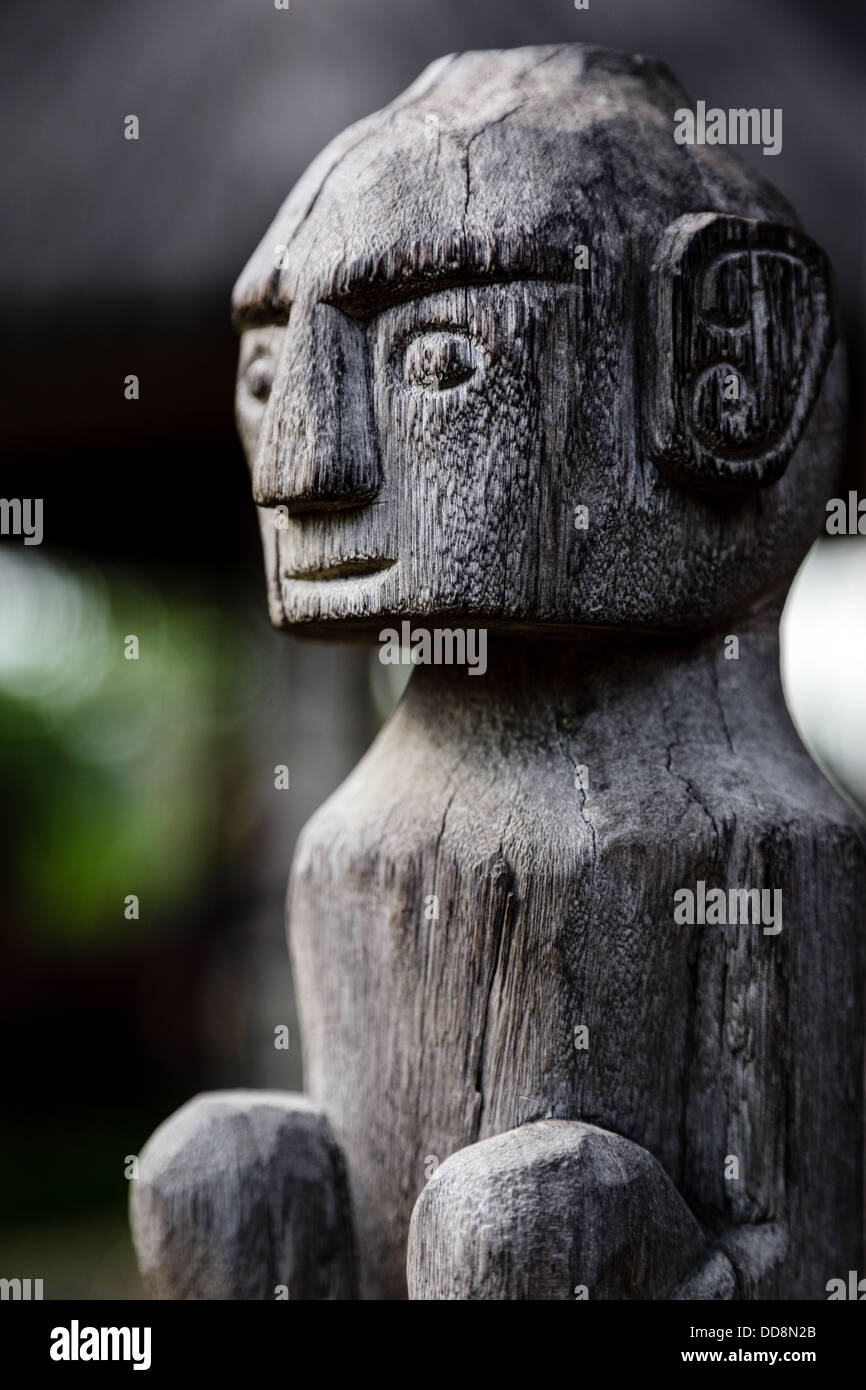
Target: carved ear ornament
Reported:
point(741, 328)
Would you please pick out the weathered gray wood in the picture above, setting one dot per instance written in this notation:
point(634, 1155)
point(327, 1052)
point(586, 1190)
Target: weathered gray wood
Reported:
point(462, 206)
point(242, 1195)
point(463, 421)
point(555, 1210)
point(712, 1280)
point(556, 912)
point(747, 302)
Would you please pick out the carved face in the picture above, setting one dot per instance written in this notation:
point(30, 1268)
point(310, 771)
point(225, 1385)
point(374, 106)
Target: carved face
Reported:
point(485, 350)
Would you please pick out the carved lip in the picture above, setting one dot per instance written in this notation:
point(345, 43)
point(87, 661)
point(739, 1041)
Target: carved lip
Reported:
point(344, 567)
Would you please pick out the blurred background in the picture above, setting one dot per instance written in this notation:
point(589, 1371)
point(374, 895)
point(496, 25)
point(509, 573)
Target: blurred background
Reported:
point(155, 777)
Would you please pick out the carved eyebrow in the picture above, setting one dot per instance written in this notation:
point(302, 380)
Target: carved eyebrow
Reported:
point(365, 298)
point(261, 314)
point(369, 284)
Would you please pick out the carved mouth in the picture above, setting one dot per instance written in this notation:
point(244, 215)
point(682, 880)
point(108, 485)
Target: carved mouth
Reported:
point(350, 567)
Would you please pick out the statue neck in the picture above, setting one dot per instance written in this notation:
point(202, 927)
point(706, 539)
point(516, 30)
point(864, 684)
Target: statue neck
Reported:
point(708, 687)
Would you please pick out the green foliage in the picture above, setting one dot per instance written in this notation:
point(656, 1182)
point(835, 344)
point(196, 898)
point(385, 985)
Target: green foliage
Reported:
point(112, 768)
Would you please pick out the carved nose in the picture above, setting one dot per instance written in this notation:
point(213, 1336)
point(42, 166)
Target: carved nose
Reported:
point(317, 449)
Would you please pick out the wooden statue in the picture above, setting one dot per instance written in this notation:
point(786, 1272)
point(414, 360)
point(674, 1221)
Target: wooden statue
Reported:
point(578, 946)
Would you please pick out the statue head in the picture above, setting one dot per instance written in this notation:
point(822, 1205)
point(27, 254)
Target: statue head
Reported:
point(511, 355)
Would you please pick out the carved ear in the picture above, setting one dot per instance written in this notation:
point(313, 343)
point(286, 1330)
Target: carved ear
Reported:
point(740, 331)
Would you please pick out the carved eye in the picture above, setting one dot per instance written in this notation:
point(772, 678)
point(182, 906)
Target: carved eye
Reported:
point(260, 376)
point(439, 361)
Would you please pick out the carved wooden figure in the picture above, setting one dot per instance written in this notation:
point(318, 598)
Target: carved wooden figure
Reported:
point(578, 945)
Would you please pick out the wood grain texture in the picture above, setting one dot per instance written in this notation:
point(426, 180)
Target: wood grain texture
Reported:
point(555, 1210)
point(460, 208)
point(712, 1280)
point(240, 1192)
point(745, 307)
point(556, 912)
point(433, 385)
